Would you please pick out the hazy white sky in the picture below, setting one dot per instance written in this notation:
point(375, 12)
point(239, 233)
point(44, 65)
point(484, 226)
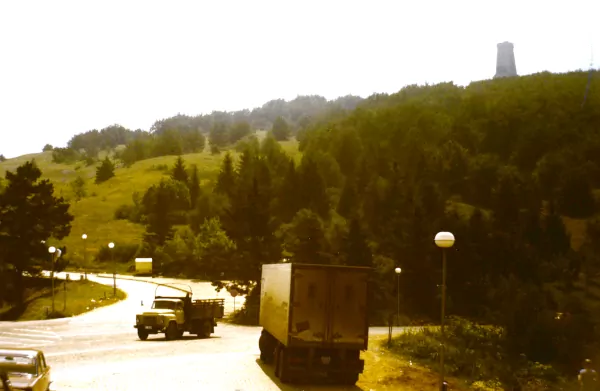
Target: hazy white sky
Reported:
point(70, 66)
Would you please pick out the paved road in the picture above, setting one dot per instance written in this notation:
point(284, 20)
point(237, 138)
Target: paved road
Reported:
point(100, 350)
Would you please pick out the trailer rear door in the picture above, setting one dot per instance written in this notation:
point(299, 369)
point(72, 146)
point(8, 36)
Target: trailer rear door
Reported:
point(309, 305)
point(348, 311)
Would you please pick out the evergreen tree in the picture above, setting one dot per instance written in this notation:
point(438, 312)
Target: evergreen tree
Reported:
point(78, 187)
point(194, 186)
point(312, 190)
point(226, 181)
point(348, 205)
point(305, 238)
point(29, 214)
point(289, 198)
point(281, 130)
point(179, 172)
point(218, 136)
point(575, 198)
point(238, 131)
point(105, 171)
point(356, 249)
point(163, 204)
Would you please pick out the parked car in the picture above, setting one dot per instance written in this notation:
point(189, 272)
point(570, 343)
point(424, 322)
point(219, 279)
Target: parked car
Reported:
point(26, 369)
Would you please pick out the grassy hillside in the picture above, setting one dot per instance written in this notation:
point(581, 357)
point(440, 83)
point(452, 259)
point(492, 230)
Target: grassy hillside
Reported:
point(94, 214)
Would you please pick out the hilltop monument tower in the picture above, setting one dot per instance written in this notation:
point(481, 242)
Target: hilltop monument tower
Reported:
point(505, 61)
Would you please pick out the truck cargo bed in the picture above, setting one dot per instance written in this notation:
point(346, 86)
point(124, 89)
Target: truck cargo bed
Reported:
point(208, 308)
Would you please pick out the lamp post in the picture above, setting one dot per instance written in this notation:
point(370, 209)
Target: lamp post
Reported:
point(398, 271)
point(111, 245)
point(52, 251)
point(443, 240)
point(84, 237)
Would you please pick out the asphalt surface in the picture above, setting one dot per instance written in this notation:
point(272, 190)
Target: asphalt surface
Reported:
point(100, 350)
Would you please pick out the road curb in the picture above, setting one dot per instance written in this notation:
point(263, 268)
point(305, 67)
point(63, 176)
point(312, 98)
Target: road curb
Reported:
point(129, 279)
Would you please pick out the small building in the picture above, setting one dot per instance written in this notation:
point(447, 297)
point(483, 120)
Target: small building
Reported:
point(143, 265)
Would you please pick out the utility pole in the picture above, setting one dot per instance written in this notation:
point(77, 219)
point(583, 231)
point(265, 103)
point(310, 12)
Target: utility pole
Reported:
point(111, 245)
point(84, 237)
point(52, 251)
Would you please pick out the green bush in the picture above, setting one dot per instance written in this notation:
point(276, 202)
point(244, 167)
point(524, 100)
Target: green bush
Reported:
point(473, 352)
point(122, 253)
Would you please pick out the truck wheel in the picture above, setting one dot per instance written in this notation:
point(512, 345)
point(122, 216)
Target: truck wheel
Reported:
point(347, 379)
point(142, 334)
point(205, 329)
point(171, 332)
point(283, 371)
point(267, 345)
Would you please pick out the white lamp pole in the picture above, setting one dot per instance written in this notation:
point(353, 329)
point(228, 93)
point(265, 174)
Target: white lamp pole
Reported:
point(111, 245)
point(84, 237)
point(443, 240)
point(398, 271)
point(52, 251)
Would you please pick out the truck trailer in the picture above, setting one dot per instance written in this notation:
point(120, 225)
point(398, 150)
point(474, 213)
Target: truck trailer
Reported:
point(315, 321)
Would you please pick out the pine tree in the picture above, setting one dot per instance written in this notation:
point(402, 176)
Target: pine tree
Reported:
point(288, 201)
point(348, 204)
point(312, 187)
point(281, 130)
point(226, 181)
point(194, 186)
point(179, 172)
point(305, 238)
point(105, 171)
point(355, 247)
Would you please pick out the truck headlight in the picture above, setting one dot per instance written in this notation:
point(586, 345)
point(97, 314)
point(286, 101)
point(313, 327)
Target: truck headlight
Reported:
point(138, 319)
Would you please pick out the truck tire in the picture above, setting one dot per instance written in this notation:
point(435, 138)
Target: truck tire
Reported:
point(347, 379)
point(267, 344)
point(171, 333)
point(205, 329)
point(283, 369)
point(142, 334)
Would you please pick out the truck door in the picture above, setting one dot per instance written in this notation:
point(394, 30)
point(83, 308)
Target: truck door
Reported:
point(348, 315)
point(309, 307)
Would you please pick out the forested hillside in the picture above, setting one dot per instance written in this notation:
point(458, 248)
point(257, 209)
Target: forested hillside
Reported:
point(498, 163)
point(509, 166)
point(183, 134)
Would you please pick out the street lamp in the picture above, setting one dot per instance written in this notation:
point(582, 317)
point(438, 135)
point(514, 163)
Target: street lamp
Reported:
point(111, 245)
point(52, 251)
point(398, 271)
point(443, 240)
point(84, 237)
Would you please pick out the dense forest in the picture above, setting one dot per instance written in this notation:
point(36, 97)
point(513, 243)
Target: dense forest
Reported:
point(498, 163)
point(187, 134)
point(502, 164)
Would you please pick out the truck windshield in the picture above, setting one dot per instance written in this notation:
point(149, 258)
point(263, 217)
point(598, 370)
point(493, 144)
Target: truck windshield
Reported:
point(17, 364)
point(163, 305)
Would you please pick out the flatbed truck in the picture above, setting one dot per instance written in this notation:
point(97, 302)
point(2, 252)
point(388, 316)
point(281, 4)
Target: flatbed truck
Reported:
point(175, 315)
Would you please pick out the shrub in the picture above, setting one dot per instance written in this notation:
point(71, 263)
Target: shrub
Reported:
point(474, 352)
point(122, 253)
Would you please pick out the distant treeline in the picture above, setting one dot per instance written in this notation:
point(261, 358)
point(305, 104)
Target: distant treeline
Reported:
point(187, 134)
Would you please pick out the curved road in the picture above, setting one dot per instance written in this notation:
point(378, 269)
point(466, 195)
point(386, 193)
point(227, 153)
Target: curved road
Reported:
point(100, 350)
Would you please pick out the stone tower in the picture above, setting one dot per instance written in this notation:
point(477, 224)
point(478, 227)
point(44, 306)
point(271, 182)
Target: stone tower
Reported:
point(505, 61)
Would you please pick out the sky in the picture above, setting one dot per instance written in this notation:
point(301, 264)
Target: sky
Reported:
point(67, 67)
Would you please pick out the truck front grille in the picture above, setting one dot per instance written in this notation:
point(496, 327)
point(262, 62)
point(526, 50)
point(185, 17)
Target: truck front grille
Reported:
point(149, 320)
